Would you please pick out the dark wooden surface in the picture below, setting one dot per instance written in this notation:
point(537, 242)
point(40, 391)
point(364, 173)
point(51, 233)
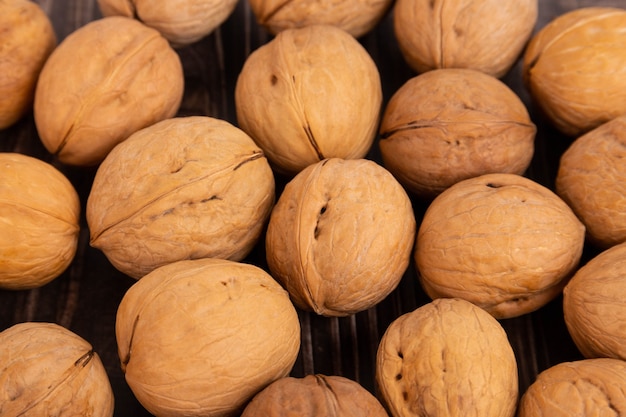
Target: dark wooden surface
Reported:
point(85, 298)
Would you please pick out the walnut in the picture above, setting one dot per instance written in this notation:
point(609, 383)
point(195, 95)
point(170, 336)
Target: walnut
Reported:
point(486, 35)
point(27, 39)
point(325, 93)
point(447, 125)
point(356, 17)
point(501, 241)
point(182, 22)
point(324, 240)
point(39, 222)
point(202, 337)
point(587, 387)
point(106, 80)
point(448, 357)
point(47, 370)
point(183, 188)
point(591, 179)
point(575, 68)
point(314, 396)
point(593, 305)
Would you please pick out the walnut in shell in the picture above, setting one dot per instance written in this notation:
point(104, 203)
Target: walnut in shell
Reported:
point(27, 38)
point(182, 22)
point(447, 125)
point(593, 305)
point(485, 35)
point(106, 80)
point(183, 188)
point(314, 396)
point(39, 222)
point(501, 241)
point(356, 17)
point(309, 94)
point(591, 179)
point(587, 387)
point(202, 337)
point(340, 236)
point(448, 357)
point(575, 68)
point(47, 370)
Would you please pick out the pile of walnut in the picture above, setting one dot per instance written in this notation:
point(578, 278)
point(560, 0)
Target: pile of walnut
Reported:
point(179, 202)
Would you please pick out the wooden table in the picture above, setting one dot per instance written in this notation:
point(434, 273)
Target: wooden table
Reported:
point(85, 298)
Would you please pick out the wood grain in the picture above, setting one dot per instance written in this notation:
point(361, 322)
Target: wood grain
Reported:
point(85, 298)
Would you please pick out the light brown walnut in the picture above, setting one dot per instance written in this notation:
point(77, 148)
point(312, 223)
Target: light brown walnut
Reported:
point(447, 358)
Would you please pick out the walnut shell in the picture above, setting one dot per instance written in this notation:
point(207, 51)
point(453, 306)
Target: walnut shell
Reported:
point(39, 222)
point(314, 396)
point(325, 94)
point(486, 35)
point(593, 305)
point(47, 370)
point(501, 241)
point(182, 22)
point(357, 17)
point(106, 80)
point(183, 188)
point(201, 337)
point(27, 38)
point(447, 125)
point(591, 179)
point(448, 357)
point(588, 387)
point(575, 68)
point(324, 240)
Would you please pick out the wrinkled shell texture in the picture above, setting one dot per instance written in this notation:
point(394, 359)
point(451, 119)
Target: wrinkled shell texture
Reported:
point(39, 222)
point(184, 188)
point(309, 94)
point(594, 307)
point(47, 370)
point(202, 337)
point(182, 22)
point(106, 80)
point(26, 40)
point(324, 239)
point(575, 68)
point(592, 180)
point(356, 17)
point(447, 358)
point(314, 396)
point(588, 387)
point(486, 36)
point(447, 125)
point(501, 241)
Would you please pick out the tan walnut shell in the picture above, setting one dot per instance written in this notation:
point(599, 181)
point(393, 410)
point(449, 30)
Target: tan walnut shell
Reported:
point(587, 387)
point(314, 396)
point(47, 370)
point(39, 222)
point(106, 80)
point(486, 35)
point(357, 17)
point(593, 305)
point(27, 38)
point(501, 241)
point(447, 125)
point(575, 68)
point(591, 179)
point(183, 188)
point(202, 337)
point(340, 236)
point(309, 94)
point(447, 358)
point(182, 22)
